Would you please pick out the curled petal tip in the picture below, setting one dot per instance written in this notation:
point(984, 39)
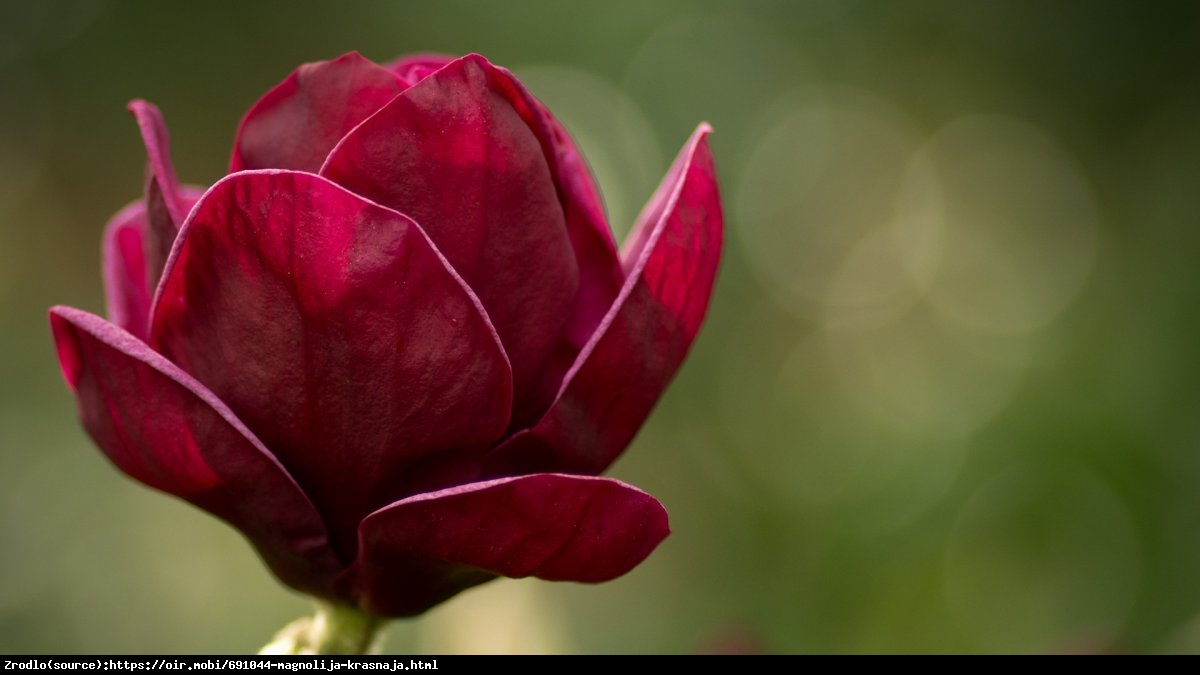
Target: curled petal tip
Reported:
point(671, 256)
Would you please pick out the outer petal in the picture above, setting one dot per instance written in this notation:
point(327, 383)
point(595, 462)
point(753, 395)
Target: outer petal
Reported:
point(424, 549)
point(163, 428)
point(166, 203)
point(456, 154)
point(595, 253)
point(126, 289)
point(620, 374)
point(600, 274)
point(296, 124)
point(336, 331)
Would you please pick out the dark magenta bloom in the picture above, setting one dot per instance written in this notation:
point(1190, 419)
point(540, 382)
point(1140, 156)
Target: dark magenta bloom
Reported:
point(396, 344)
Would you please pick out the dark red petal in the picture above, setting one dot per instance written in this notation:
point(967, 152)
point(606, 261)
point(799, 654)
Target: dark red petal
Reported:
point(167, 204)
point(296, 124)
point(600, 274)
point(622, 371)
point(595, 253)
point(153, 129)
point(455, 154)
point(126, 290)
point(415, 67)
point(338, 334)
point(422, 550)
point(163, 428)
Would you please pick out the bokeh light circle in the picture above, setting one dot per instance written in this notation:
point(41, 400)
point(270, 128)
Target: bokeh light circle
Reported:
point(1015, 231)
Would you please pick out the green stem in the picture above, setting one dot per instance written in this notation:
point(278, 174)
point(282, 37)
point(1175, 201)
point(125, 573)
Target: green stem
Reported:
point(334, 629)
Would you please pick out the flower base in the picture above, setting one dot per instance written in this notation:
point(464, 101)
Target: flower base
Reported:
point(333, 630)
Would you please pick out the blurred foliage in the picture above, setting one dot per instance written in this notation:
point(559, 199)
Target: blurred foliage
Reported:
point(946, 398)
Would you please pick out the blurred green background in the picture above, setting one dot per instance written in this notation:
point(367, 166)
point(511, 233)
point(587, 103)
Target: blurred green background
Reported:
point(946, 399)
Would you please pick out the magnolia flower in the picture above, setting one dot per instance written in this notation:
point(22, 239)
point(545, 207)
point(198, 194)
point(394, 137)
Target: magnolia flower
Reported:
point(396, 344)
